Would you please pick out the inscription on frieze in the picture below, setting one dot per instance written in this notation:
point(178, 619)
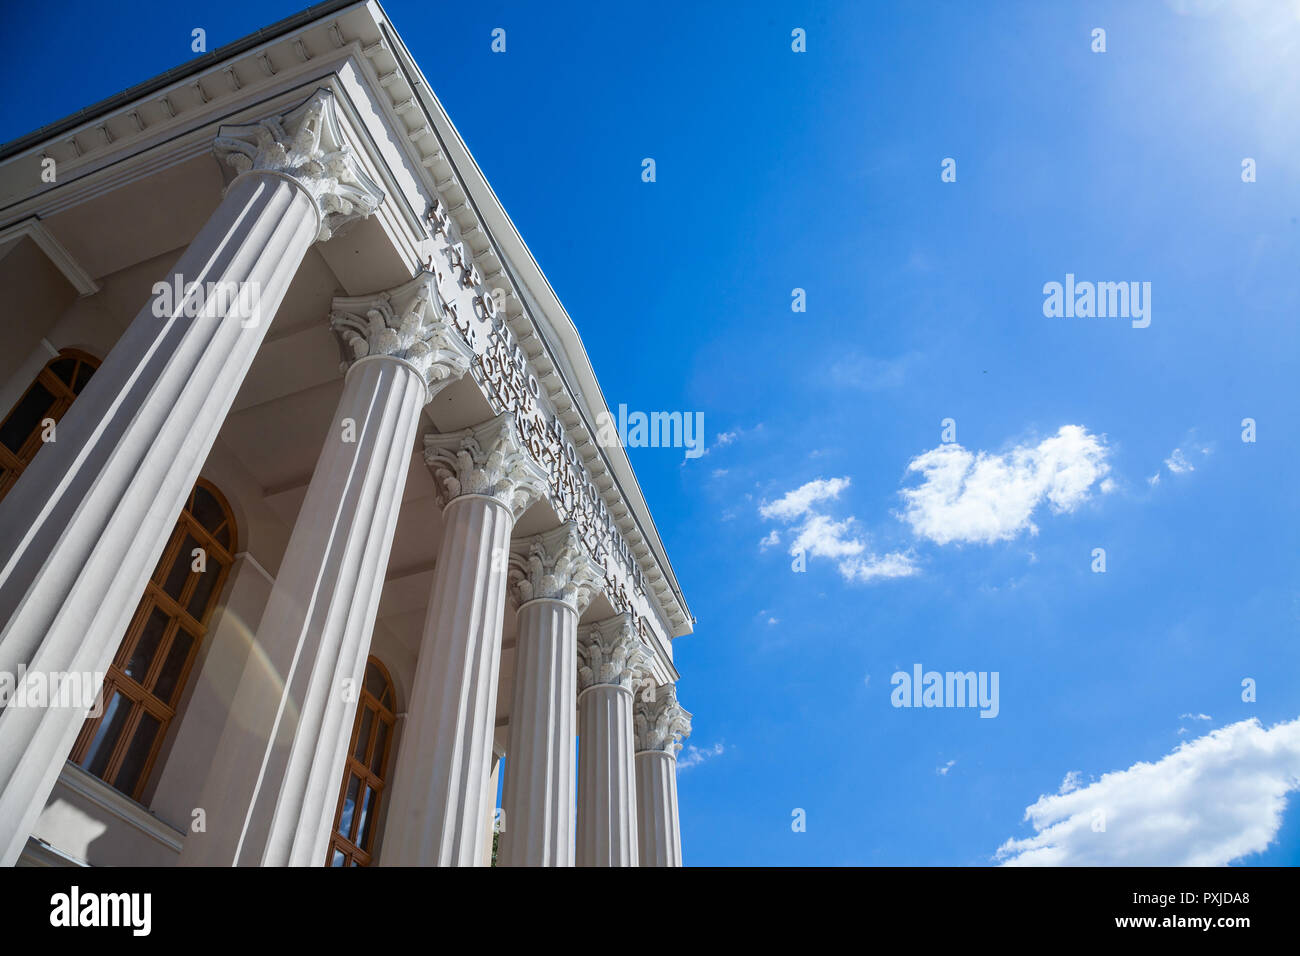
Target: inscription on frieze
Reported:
point(501, 368)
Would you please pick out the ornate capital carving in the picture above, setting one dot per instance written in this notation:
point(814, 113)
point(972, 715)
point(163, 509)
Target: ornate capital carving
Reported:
point(407, 323)
point(611, 652)
point(660, 721)
point(487, 459)
point(555, 565)
point(307, 145)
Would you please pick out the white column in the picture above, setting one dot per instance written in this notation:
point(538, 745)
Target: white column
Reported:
point(440, 792)
point(660, 725)
point(611, 660)
point(555, 580)
point(490, 822)
point(84, 526)
point(272, 787)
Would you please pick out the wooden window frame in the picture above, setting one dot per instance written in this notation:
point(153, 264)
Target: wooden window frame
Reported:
point(13, 464)
point(353, 853)
point(139, 694)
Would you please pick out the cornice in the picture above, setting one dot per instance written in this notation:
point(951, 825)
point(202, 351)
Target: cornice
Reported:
point(143, 90)
point(454, 178)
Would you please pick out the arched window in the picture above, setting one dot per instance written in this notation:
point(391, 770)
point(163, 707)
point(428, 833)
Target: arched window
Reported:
point(353, 839)
point(46, 399)
point(147, 677)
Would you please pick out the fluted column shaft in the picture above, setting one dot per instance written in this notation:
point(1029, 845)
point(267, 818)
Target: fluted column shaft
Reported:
point(85, 525)
point(659, 838)
point(440, 794)
point(611, 662)
point(272, 790)
point(82, 530)
point(553, 577)
point(661, 722)
point(490, 823)
point(606, 778)
point(441, 797)
point(537, 796)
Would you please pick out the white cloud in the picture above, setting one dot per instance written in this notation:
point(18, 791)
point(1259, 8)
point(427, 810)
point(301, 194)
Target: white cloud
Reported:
point(1195, 717)
point(773, 620)
point(982, 498)
point(692, 755)
point(891, 565)
point(719, 472)
point(1212, 800)
point(943, 771)
point(723, 439)
point(819, 536)
point(800, 501)
point(1071, 782)
point(1177, 463)
point(822, 537)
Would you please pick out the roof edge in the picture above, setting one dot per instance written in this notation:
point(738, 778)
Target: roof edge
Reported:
point(164, 80)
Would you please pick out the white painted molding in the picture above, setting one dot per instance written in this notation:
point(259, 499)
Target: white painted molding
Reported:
point(87, 785)
point(54, 250)
point(39, 853)
point(257, 565)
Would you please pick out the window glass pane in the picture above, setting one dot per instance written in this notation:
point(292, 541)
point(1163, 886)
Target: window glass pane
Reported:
point(145, 649)
point(375, 682)
point(363, 735)
point(26, 416)
point(349, 806)
point(367, 819)
point(206, 509)
point(84, 371)
point(223, 536)
point(137, 753)
point(180, 569)
point(165, 686)
point(203, 590)
point(110, 728)
point(339, 859)
point(63, 369)
point(377, 758)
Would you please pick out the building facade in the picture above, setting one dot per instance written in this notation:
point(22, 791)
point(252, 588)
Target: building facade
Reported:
point(299, 473)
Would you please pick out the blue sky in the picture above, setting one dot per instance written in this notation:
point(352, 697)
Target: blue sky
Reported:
point(820, 170)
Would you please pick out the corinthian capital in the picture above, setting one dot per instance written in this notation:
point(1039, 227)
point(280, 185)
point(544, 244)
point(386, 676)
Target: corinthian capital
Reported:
point(487, 459)
point(660, 721)
point(555, 565)
point(407, 323)
point(307, 145)
point(611, 652)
